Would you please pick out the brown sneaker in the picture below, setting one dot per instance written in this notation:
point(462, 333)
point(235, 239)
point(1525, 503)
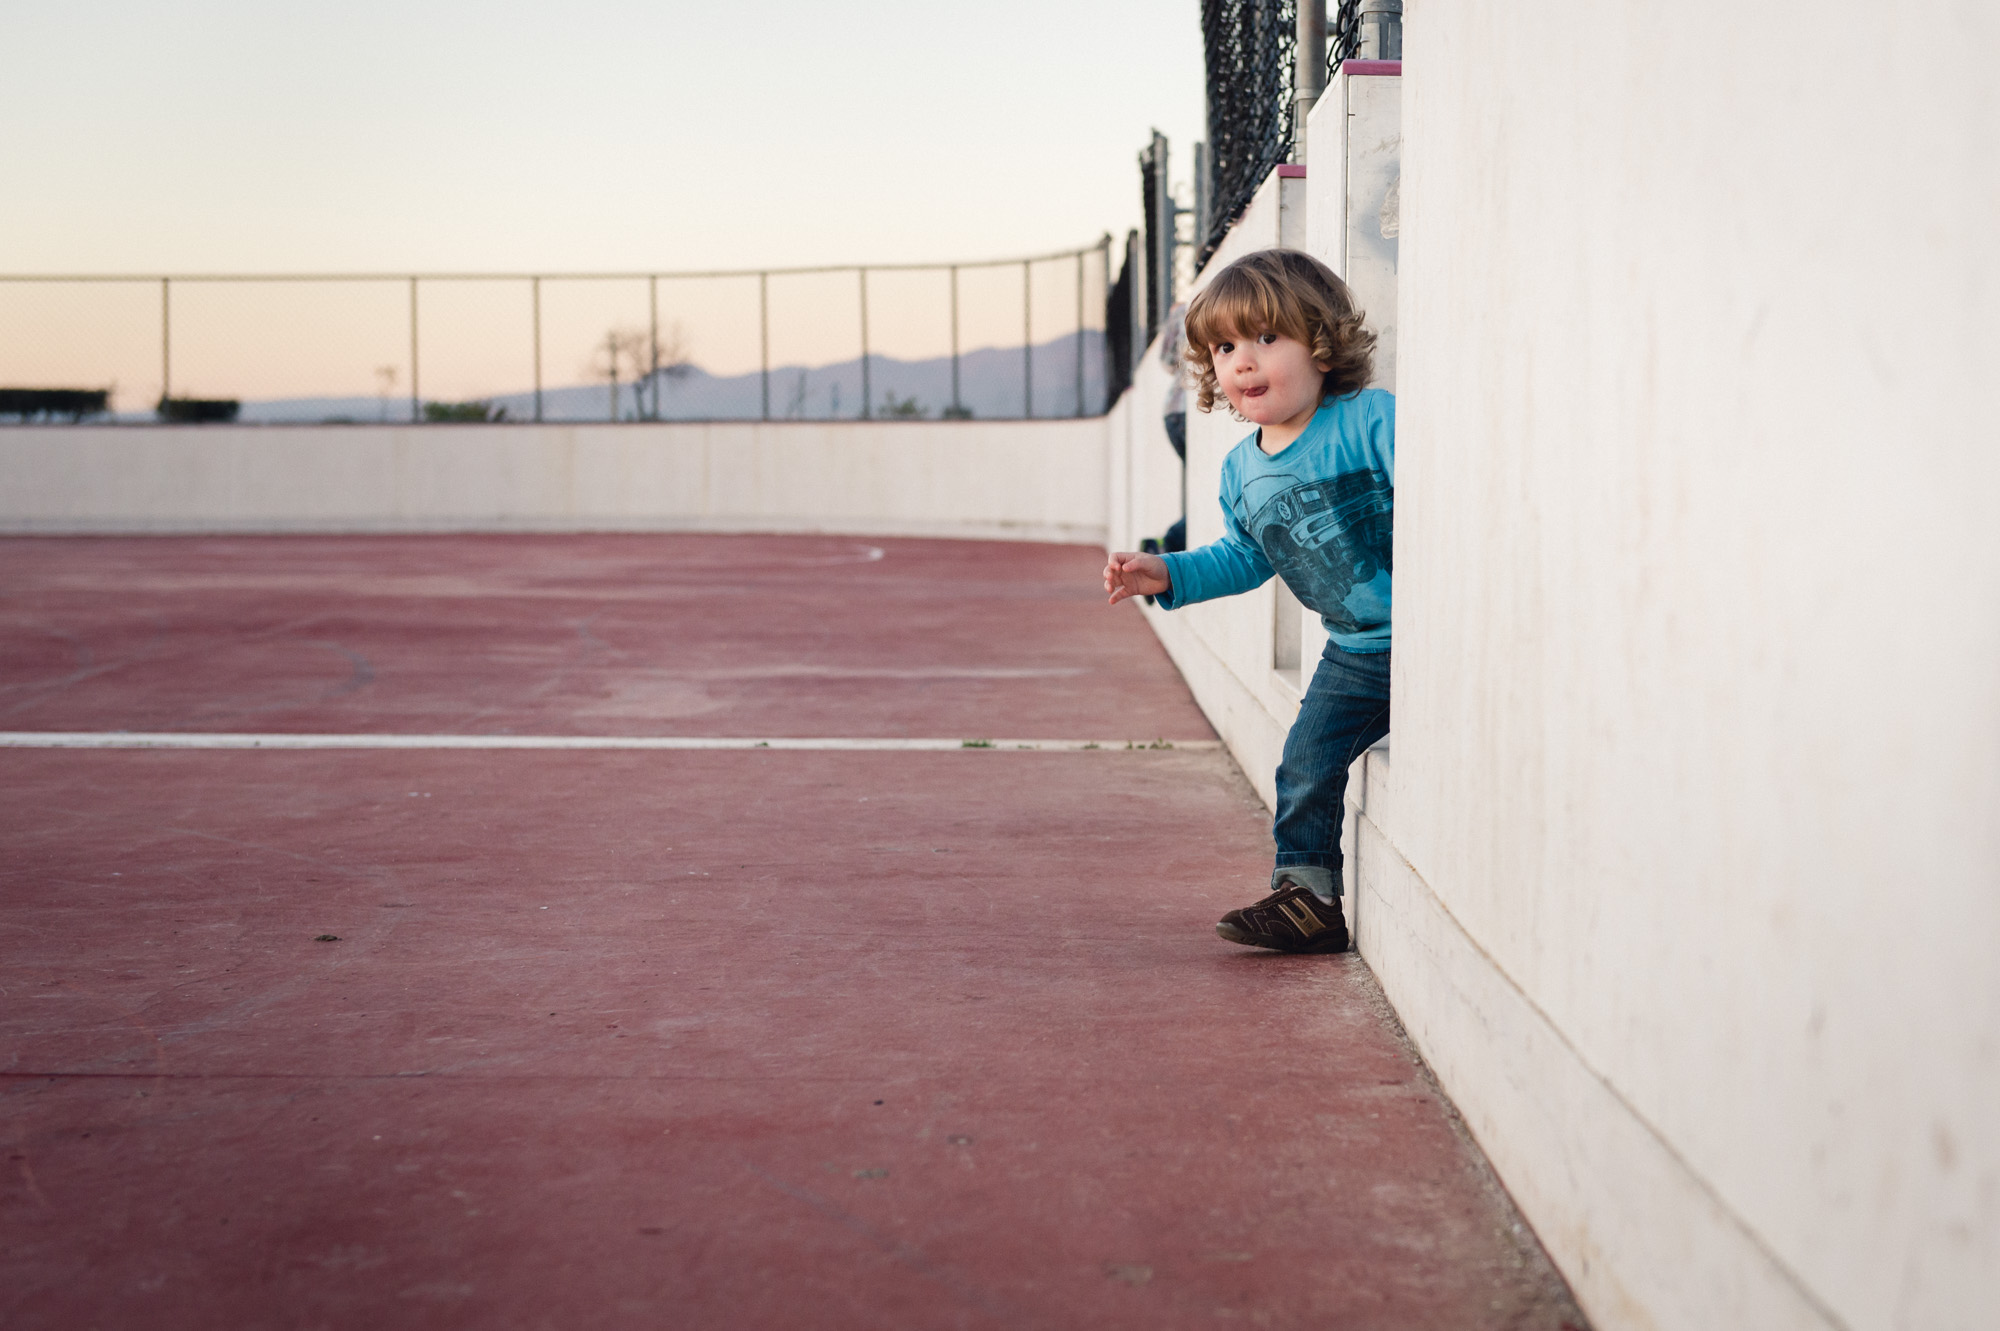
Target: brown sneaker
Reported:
point(1291, 919)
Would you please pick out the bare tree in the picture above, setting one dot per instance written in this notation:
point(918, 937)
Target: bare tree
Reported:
point(632, 355)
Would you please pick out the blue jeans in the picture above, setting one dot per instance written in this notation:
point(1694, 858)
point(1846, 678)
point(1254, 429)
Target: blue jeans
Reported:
point(1345, 710)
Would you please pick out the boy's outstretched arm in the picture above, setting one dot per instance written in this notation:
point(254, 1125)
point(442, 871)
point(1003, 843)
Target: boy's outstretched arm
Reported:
point(1128, 574)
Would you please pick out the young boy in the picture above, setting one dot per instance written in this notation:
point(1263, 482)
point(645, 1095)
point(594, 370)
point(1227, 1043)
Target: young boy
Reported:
point(1309, 495)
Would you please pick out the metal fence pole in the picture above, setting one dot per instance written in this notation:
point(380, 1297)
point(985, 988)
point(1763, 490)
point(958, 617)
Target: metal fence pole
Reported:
point(611, 355)
point(1027, 339)
point(653, 379)
point(1135, 264)
point(166, 342)
point(416, 398)
point(867, 412)
point(1161, 261)
point(1381, 30)
point(1079, 332)
point(955, 404)
point(1112, 372)
point(1309, 73)
point(1204, 197)
point(764, 338)
point(535, 284)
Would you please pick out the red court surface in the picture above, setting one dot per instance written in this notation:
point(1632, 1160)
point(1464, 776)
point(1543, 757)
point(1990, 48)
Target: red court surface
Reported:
point(556, 1039)
point(583, 635)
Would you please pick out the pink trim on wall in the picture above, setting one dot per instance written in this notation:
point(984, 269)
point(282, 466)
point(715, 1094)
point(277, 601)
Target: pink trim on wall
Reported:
point(1291, 172)
point(1354, 68)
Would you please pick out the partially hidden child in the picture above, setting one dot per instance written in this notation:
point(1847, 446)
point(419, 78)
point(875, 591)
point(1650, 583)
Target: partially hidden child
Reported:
point(1308, 495)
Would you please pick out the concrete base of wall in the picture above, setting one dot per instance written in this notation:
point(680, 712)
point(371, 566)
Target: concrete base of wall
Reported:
point(1643, 1242)
point(1243, 720)
point(1026, 480)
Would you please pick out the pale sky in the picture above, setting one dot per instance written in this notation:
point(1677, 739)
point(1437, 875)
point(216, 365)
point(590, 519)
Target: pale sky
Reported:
point(436, 134)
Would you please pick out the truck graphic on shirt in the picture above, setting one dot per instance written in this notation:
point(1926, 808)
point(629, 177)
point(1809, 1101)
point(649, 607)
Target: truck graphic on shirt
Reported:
point(1328, 539)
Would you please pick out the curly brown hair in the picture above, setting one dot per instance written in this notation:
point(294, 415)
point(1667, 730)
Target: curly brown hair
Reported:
point(1286, 292)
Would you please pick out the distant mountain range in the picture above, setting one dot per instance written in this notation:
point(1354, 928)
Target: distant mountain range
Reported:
point(991, 385)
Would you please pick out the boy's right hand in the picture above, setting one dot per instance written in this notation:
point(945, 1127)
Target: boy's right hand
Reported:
point(1130, 574)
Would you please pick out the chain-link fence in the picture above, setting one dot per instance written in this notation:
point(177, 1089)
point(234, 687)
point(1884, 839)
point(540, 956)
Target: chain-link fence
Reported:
point(1251, 48)
point(1157, 210)
point(1343, 35)
point(1009, 339)
point(1248, 46)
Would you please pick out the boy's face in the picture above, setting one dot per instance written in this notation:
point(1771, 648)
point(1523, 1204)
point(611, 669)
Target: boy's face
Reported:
point(1269, 378)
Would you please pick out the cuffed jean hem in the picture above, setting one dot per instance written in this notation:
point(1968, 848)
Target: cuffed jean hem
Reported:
point(1323, 881)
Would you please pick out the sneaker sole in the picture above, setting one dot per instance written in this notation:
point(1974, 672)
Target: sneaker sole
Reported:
point(1229, 933)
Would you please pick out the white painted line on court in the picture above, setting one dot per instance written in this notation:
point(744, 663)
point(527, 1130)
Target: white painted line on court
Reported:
point(130, 739)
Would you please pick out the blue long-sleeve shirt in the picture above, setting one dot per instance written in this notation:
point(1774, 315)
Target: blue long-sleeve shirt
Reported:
point(1319, 515)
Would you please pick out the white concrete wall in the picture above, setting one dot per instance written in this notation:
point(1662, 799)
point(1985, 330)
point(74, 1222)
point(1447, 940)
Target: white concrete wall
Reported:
point(1683, 864)
point(1685, 873)
point(1036, 480)
point(1352, 222)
